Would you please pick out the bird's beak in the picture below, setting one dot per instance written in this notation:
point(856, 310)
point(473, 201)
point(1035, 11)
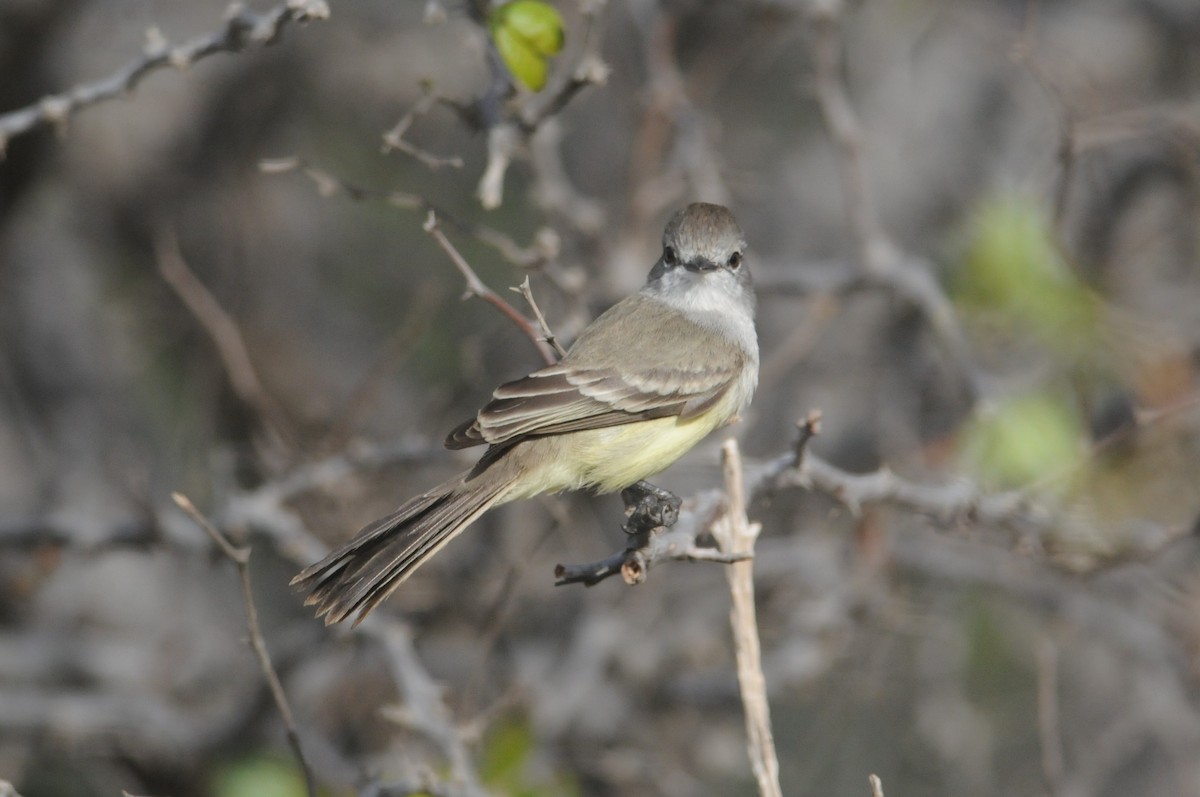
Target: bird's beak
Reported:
point(700, 265)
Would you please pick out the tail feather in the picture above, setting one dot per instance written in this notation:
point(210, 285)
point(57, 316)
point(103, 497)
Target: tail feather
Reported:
point(363, 572)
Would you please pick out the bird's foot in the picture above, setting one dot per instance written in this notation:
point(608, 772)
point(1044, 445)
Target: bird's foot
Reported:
point(648, 507)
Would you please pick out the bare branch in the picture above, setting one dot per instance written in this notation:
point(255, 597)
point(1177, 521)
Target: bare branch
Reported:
point(549, 337)
point(475, 287)
point(243, 29)
point(542, 251)
point(876, 785)
point(736, 535)
point(424, 709)
point(394, 138)
point(241, 559)
point(503, 140)
point(225, 335)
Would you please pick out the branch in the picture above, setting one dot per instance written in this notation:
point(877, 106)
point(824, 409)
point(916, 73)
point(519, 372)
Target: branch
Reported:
point(475, 287)
point(241, 559)
point(225, 335)
point(543, 250)
point(963, 499)
point(424, 708)
point(736, 536)
point(548, 334)
point(243, 29)
point(876, 785)
point(644, 550)
point(394, 138)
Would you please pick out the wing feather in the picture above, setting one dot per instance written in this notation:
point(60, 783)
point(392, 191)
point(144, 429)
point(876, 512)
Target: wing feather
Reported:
point(578, 394)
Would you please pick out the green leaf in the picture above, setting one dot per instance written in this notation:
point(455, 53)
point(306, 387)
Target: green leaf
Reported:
point(527, 33)
point(260, 776)
point(1025, 439)
point(525, 64)
point(1014, 271)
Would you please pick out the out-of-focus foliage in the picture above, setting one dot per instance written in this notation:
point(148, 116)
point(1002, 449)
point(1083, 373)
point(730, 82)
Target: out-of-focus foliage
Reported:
point(1025, 439)
point(259, 776)
point(508, 764)
point(1013, 273)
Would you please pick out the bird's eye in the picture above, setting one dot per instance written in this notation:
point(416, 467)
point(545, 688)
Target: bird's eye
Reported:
point(669, 256)
point(735, 260)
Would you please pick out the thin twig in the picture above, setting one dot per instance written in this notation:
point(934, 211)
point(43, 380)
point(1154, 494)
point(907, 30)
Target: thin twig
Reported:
point(963, 499)
point(225, 335)
point(876, 785)
point(548, 333)
point(394, 138)
point(241, 559)
point(543, 250)
point(736, 535)
point(424, 708)
point(809, 427)
point(476, 287)
point(243, 29)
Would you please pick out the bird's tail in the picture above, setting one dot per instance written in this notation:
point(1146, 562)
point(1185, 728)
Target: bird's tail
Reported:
point(363, 572)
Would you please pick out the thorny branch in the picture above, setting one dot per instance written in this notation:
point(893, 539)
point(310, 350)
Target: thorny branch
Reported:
point(241, 559)
point(394, 138)
point(476, 287)
point(543, 250)
point(548, 334)
point(243, 29)
point(802, 468)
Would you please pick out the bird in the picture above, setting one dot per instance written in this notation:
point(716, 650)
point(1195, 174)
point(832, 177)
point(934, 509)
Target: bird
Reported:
point(642, 384)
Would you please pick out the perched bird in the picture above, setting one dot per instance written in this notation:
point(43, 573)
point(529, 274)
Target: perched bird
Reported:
point(643, 383)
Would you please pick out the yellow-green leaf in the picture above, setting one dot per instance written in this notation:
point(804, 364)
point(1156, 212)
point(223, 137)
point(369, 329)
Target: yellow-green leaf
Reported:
point(1025, 439)
point(526, 65)
point(539, 24)
point(1014, 271)
point(526, 33)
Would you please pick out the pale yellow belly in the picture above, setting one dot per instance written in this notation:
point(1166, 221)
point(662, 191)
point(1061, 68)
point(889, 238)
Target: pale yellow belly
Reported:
point(611, 459)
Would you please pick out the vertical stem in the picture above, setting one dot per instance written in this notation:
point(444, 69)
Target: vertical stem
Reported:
point(737, 535)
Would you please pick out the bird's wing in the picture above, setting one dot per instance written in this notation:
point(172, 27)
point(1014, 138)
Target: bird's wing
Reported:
point(672, 366)
point(568, 398)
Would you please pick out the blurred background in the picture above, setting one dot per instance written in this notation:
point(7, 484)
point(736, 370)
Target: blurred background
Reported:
point(1038, 160)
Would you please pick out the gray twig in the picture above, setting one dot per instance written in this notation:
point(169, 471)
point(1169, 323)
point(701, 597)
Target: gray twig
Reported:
point(241, 559)
point(548, 334)
point(223, 330)
point(394, 138)
point(243, 29)
point(542, 251)
point(476, 287)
